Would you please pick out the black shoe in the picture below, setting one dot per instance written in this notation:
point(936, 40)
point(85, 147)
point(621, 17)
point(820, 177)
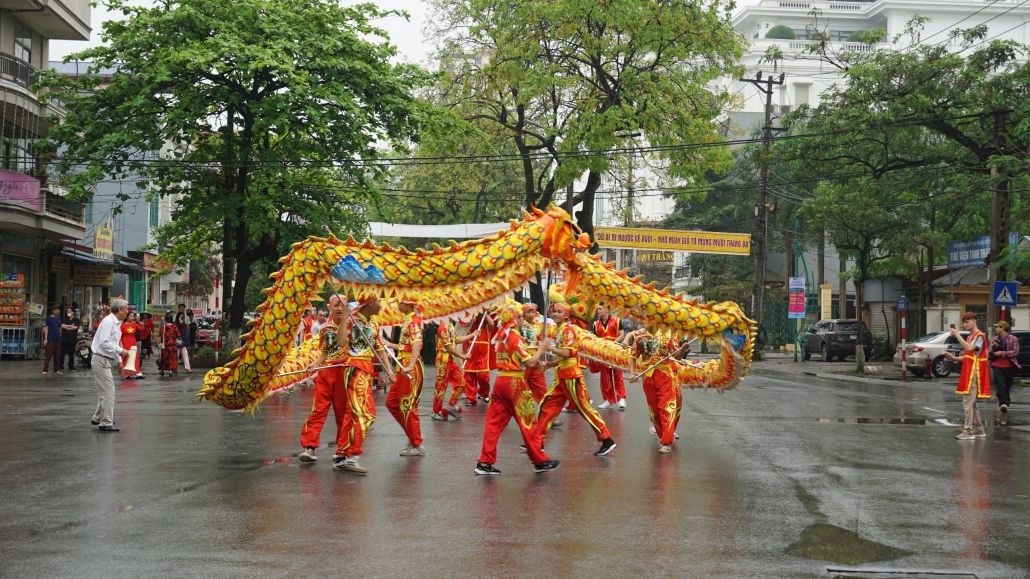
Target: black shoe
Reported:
point(108, 429)
point(483, 468)
point(547, 465)
point(470, 403)
point(607, 446)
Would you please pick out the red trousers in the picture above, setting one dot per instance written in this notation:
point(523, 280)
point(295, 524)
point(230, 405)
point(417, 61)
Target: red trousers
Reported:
point(447, 373)
point(511, 398)
point(329, 391)
point(537, 383)
point(402, 402)
point(472, 379)
point(613, 387)
point(575, 391)
point(360, 414)
point(664, 399)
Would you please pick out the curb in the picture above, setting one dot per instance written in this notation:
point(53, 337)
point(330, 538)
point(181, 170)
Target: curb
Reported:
point(849, 378)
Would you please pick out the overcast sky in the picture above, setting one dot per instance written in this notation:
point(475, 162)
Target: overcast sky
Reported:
point(405, 35)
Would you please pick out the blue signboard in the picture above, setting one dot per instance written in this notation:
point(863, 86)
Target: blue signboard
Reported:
point(972, 252)
point(902, 304)
point(1004, 293)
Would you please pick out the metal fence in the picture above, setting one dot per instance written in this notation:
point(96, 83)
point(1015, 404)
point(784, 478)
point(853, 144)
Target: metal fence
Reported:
point(17, 71)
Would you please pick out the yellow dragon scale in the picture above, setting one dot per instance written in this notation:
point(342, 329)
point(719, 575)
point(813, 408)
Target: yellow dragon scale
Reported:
point(460, 278)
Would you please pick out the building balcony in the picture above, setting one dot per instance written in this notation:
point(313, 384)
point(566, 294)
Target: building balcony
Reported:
point(796, 47)
point(38, 209)
point(54, 19)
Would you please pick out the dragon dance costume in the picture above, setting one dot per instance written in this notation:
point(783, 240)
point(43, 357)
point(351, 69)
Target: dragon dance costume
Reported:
point(511, 396)
point(613, 386)
point(448, 372)
point(362, 346)
point(406, 392)
point(569, 386)
point(534, 377)
point(661, 388)
point(477, 369)
point(329, 391)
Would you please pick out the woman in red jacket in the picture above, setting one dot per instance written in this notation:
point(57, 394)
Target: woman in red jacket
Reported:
point(130, 339)
point(146, 348)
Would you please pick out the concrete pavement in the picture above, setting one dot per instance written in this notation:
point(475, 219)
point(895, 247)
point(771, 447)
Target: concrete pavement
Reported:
point(789, 476)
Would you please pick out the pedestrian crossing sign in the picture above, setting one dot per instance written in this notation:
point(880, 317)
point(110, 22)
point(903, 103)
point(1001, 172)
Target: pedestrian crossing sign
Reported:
point(1004, 293)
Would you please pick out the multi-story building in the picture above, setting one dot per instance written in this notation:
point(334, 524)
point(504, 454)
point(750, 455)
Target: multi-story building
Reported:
point(34, 215)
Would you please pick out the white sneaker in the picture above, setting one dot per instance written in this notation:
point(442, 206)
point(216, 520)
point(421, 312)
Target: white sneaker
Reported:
point(414, 451)
point(308, 455)
point(438, 416)
point(622, 404)
point(605, 404)
point(653, 430)
point(664, 449)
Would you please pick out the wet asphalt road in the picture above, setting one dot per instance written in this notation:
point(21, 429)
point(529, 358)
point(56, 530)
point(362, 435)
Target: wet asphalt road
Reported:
point(764, 478)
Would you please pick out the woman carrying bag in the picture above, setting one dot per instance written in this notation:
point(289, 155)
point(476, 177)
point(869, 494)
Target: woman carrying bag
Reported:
point(183, 326)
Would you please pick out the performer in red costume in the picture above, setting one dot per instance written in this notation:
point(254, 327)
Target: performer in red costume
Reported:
point(477, 369)
point(406, 391)
point(661, 389)
point(448, 372)
point(613, 389)
point(130, 336)
point(974, 381)
point(359, 337)
point(329, 388)
point(569, 384)
point(511, 396)
point(531, 329)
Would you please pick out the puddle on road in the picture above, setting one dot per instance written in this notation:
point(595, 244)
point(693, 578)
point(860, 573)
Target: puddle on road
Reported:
point(826, 542)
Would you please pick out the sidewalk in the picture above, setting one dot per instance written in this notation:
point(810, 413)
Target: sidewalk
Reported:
point(889, 373)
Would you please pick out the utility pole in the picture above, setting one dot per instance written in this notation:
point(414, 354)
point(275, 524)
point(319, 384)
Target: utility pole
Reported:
point(761, 218)
point(1000, 220)
point(627, 254)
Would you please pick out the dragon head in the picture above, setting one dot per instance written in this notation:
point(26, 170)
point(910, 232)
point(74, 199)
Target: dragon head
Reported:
point(561, 236)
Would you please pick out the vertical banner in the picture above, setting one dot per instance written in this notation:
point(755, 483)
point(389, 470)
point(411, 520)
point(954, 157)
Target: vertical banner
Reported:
point(103, 242)
point(796, 305)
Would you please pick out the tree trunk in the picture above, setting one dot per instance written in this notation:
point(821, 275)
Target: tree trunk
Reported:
point(859, 306)
point(585, 217)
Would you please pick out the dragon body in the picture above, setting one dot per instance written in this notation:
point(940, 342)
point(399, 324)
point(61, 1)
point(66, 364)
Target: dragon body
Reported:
point(456, 280)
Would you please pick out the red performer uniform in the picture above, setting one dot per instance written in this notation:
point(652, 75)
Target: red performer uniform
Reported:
point(661, 389)
point(569, 385)
point(511, 398)
point(477, 368)
point(130, 333)
point(404, 396)
point(329, 391)
point(447, 370)
point(362, 344)
point(534, 376)
point(613, 388)
point(975, 368)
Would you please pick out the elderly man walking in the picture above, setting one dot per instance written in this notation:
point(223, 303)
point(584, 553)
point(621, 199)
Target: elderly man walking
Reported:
point(107, 353)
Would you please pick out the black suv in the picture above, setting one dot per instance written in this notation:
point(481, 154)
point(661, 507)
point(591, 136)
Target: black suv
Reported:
point(836, 339)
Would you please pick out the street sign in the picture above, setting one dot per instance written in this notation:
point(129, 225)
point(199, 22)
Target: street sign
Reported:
point(1004, 293)
point(796, 304)
point(902, 304)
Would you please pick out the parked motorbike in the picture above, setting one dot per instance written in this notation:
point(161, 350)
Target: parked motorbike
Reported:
point(83, 352)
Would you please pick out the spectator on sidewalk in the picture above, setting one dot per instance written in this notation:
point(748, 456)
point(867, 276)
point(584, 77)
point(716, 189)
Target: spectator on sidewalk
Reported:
point(52, 340)
point(974, 381)
point(184, 339)
point(107, 353)
point(191, 317)
point(1004, 349)
point(147, 325)
point(69, 337)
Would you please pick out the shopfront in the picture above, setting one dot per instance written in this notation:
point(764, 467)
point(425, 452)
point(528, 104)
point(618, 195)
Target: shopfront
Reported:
point(22, 293)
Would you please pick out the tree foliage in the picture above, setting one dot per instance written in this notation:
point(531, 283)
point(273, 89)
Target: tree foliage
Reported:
point(781, 32)
point(262, 114)
point(569, 81)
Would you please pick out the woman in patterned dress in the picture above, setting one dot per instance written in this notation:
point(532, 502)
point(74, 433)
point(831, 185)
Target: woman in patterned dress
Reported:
point(169, 350)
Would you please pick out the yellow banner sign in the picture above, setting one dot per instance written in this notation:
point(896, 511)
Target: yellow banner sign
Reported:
point(655, 257)
point(668, 239)
point(103, 243)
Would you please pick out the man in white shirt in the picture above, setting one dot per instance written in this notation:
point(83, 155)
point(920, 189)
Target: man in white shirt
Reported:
point(316, 328)
point(107, 353)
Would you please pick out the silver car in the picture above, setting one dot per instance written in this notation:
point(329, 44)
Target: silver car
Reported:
point(932, 346)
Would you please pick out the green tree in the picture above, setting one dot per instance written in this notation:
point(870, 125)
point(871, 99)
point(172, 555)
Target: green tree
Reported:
point(570, 80)
point(781, 32)
point(264, 115)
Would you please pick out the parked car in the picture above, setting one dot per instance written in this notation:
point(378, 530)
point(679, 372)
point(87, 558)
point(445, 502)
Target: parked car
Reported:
point(930, 346)
point(207, 335)
point(836, 339)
